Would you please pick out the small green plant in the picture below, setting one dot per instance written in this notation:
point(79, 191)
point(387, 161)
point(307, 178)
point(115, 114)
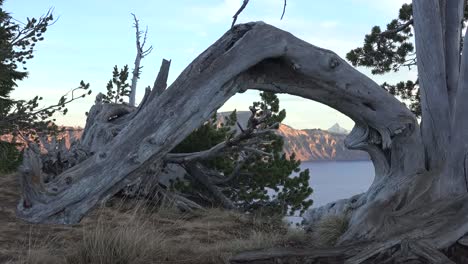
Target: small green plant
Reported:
point(117, 87)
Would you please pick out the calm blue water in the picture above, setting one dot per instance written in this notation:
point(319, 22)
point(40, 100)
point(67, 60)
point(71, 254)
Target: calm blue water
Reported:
point(333, 180)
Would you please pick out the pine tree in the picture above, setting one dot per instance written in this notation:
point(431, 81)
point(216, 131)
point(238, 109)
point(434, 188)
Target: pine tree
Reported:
point(24, 118)
point(391, 50)
point(16, 48)
point(117, 87)
point(259, 173)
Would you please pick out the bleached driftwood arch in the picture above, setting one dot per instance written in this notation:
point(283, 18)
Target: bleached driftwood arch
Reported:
point(250, 56)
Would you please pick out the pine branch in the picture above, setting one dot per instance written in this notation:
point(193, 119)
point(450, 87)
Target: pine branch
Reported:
point(398, 29)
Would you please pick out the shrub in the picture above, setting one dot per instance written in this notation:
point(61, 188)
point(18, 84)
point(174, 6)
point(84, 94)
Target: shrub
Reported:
point(10, 157)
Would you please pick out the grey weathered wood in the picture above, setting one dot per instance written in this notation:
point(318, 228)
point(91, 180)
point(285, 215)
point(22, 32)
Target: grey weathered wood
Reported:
point(196, 171)
point(430, 254)
point(463, 241)
point(291, 255)
point(453, 19)
point(419, 191)
point(408, 250)
point(141, 53)
point(393, 251)
point(456, 180)
point(100, 129)
point(251, 56)
point(160, 84)
point(430, 53)
point(372, 250)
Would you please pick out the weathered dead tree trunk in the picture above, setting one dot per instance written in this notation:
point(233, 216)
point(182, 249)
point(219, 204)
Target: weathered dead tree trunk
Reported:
point(419, 192)
point(251, 56)
point(141, 53)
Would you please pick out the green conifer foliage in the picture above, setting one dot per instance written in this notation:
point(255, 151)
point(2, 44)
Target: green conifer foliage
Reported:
point(117, 87)
point(249, 190)
point(24, 118)
point(10, 157)
point(390, 50)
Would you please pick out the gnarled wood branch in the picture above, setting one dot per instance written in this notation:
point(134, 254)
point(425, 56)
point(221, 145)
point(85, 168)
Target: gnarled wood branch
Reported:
point(195, 170)
point(240, 141)
point(250, 56)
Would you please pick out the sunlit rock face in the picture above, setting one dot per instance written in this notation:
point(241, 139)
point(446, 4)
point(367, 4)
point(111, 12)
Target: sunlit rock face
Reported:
point(311, 144)
point(307, 144)
point(69, 135)
point(318, 145)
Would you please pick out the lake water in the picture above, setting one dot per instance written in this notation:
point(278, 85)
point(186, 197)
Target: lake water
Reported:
point(333, 180)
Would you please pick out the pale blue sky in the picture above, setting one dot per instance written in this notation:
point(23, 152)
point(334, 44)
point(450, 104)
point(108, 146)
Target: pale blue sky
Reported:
point(90, 37)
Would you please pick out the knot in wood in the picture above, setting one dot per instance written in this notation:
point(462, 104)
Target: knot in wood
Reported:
point(333, 63)
point(296, 66)
point(398, 131)
point(26, 204)
point(135, 159)
point(68, 180)
point(114, 132)
point(154, 140)
point(102, 155)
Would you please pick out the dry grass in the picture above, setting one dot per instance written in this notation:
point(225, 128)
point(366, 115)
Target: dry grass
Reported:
point(134, 233)
point(40, 256)
point(38, 251)
point(214, 235)
point(133, 242)
point(329, 230)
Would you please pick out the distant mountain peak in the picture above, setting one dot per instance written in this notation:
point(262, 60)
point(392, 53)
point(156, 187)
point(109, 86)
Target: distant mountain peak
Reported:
point(309, 144)
point(337, 129)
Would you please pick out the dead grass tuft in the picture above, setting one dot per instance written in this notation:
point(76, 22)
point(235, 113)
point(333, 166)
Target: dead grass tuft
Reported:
point(330, 229)
point(130, 240)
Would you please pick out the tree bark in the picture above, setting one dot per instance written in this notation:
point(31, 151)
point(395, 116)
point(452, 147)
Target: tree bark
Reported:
point(453, 20)
point(428, 28)
point(160, 83)
point(250, 56)
point(195, 171)
point(456, 178)
point(418, 201)
point(399, 205)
